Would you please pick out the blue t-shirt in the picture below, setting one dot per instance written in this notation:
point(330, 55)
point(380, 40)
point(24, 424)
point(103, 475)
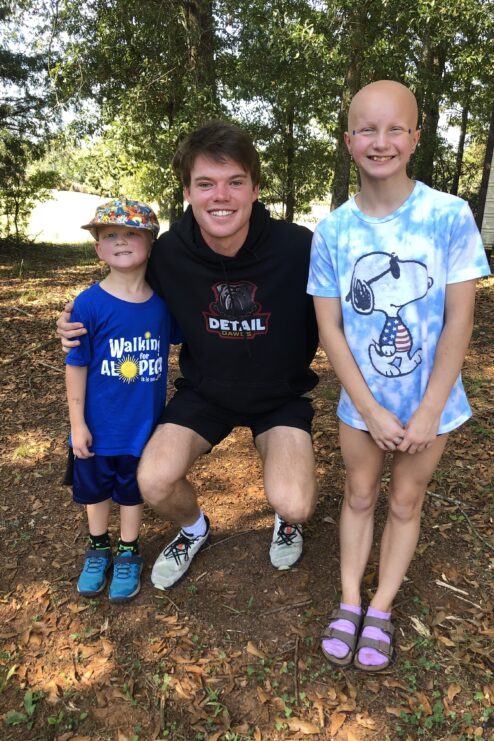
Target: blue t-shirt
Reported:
point(126, 352)
point(391, 274)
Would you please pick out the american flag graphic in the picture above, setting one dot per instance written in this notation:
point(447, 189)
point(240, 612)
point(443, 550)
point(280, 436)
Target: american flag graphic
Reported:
point(395, 333)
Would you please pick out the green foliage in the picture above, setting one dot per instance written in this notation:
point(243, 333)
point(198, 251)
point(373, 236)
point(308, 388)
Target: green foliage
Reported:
point(16, 718)
point(136, 81)
point(275, 68)
point(21, 184)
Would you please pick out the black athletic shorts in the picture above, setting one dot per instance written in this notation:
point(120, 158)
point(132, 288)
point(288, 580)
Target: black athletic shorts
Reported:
point(188, 409)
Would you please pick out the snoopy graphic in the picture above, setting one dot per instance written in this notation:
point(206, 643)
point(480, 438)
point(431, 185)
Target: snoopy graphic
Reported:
point(383, 282)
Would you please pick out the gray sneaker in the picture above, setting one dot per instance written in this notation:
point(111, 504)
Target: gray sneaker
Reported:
point(173, 562)
point(287, 544)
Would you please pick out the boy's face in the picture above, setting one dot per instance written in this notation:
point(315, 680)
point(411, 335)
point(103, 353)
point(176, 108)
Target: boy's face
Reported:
point(123, 247)
point(383, 131)
point(221, 195)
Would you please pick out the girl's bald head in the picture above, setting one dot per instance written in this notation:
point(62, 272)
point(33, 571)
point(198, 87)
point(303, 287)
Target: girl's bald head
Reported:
point(380, 94)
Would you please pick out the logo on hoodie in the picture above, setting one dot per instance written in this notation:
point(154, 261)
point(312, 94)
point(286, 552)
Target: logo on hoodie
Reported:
point(235, 314)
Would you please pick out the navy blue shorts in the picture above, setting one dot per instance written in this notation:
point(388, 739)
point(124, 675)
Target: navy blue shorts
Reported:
point(212, 422)
point(105, 477)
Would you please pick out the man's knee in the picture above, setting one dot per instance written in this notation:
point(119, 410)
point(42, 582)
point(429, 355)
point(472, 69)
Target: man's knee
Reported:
point(295, 503)
point(154, 483)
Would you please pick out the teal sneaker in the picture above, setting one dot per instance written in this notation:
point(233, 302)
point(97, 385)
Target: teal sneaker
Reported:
point(92, 580)
point(126, 582)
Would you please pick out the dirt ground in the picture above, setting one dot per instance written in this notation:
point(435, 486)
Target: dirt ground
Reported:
point(233, 652)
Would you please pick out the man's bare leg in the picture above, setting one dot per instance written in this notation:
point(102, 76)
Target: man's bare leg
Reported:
point(165, 462)
point(291, 489)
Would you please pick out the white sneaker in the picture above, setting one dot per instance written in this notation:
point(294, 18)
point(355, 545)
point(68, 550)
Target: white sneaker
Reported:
point(287, 544)
point(173, 562)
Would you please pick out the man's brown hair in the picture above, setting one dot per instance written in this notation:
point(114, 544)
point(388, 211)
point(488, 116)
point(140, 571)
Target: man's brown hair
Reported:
point(219, 141)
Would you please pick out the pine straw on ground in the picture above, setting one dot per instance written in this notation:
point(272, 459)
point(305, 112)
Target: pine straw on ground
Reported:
point(233, 652)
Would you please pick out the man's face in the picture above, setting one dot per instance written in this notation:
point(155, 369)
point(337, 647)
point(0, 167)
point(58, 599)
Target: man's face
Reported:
point(221, 195)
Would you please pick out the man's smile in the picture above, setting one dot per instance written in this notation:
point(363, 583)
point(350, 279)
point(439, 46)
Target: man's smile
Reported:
point(222, 212)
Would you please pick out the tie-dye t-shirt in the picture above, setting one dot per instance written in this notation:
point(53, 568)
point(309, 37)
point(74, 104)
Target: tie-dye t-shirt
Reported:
point(391, 274)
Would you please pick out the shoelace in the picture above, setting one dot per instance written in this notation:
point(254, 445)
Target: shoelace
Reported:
point(95, 563)
point(123, 569)
point(179, 548)
point(283, 536)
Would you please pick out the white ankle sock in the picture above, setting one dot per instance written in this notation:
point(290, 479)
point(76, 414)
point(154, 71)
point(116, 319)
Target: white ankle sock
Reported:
point(198, 528)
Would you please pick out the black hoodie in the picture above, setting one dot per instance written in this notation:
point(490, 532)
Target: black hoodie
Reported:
point(249, 325)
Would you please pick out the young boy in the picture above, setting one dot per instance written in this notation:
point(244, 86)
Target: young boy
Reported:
point(116, 388)
point(393, 273)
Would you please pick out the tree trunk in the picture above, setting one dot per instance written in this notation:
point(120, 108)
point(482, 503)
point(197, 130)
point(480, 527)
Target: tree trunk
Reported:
point(200, 31)
point(177, 204)
point(489, 150)
point(461, 149)
point(290, 162)
point(341, 177)
point(433, 64)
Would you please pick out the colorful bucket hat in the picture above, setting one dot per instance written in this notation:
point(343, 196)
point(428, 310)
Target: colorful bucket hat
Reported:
point(122, 212)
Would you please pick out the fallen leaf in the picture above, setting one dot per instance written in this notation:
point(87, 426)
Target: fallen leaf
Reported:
point(332, 694)
point(299, 725)
point(446, 641)
point(395, 683)
point(252, 649)
point(74, 607)
point(40, 592)
point(170, 619)
point(392, 710)
point(365, 721)
point(318, 705)
point(52, 691)
point(242, 728)
point(346, 707)
point(453, 690)
point(424, 701)
point(420, 627)
point(337, 720)
point(263, 697)
point(488, 690)
point(181, 692)
point(194, 669)
point(87, 651)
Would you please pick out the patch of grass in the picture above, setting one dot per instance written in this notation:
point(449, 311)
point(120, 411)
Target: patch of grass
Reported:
point(6, 674)
point(26, 717)
point(330, 394)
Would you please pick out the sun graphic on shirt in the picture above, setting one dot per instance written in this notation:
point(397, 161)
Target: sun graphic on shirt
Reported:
point(128, 369)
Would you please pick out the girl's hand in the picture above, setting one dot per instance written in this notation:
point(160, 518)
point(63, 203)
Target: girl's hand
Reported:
point(385, 428)
point(420, 432)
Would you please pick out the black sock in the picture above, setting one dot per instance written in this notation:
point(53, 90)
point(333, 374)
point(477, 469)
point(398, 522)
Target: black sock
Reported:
point(132, 546)
point(100, 542)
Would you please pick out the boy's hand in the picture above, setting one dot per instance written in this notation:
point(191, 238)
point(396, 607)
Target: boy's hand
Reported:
point(420, 432)
point(385, 428)
point(67, 329)
point(81, 441)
